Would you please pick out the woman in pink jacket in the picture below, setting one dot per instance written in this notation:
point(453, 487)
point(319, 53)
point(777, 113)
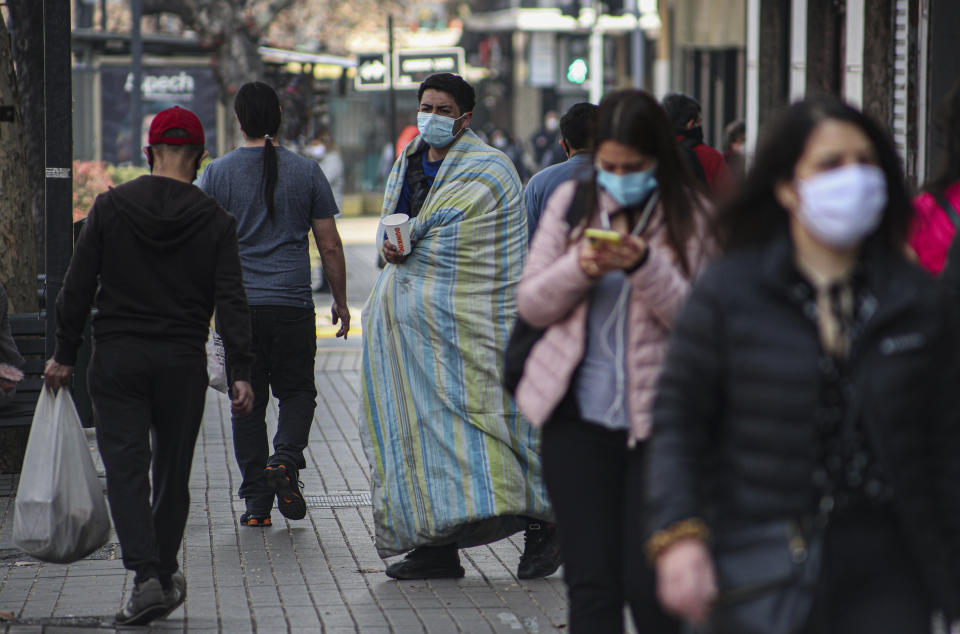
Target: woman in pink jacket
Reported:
point(606, 290)
point(933, 226)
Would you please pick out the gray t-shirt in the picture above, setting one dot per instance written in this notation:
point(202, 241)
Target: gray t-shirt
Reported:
point(274, 254)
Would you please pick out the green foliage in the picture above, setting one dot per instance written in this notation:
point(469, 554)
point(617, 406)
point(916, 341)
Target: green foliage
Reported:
point(123, 173)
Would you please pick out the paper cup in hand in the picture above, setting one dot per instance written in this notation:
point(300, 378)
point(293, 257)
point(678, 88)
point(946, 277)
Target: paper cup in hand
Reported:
point(397, 229)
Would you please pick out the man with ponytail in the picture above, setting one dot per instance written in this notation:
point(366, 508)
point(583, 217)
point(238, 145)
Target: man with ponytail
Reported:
point(155, 258)
point(279, 198)
point(452, 461)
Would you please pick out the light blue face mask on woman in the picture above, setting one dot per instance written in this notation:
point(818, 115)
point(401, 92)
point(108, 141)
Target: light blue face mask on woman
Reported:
point(436, 129)
point(628, 189)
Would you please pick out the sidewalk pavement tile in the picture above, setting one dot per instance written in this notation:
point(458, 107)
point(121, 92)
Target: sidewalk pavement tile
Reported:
point(297, 574)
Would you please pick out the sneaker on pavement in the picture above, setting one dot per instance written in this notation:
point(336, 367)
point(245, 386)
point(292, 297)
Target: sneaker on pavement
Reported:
point(260, 520)
point(175, 596)
point(428, 562)
point(289, 499)
point(541, 551)
point(146, 603)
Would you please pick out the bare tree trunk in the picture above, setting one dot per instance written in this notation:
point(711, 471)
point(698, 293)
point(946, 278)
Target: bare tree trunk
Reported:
point(26, 27)
point(17, 244)
point(234, 27)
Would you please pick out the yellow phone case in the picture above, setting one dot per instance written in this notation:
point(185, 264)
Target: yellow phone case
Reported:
point(602, 234)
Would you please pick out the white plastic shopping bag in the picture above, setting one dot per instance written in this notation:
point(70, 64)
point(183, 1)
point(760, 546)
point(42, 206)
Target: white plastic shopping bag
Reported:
point(216, 362)
point(60, 515)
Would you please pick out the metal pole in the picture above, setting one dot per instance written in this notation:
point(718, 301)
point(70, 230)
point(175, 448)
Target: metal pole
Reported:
point(58, 152)
point(390, 73)
point(596, 57)
point(639, 45)
point(136, 94)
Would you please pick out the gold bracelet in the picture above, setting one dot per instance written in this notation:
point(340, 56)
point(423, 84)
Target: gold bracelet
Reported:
point(692, 528)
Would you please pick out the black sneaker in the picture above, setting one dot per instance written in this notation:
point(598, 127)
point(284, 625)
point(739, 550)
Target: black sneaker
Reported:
point(147, 602)
point(428, 562)
point(541, 551)
point(289, 499)
point(175, 596)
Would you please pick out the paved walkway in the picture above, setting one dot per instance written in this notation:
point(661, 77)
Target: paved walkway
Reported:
point(318, 574)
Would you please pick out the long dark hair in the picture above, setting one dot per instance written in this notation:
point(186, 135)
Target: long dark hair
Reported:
point(634, 118)
point(948, 130)
point(754, 216)
point(258, 109)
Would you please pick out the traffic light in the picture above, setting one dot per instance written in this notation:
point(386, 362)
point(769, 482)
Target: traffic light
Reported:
point(570, 7)
point(615, 7)
point(578, 71)
point(575, 61)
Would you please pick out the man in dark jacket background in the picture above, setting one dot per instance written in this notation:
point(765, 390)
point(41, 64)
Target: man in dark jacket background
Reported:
point(156, 256)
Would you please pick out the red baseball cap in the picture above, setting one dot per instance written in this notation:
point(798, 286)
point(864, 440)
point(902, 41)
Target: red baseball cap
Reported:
point(176, 118)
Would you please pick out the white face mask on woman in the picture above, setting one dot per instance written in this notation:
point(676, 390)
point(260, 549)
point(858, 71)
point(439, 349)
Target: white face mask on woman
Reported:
point(843, 206)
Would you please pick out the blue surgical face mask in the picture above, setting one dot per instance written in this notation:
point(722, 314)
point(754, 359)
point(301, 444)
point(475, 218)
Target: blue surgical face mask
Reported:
point(628, 189)
point(436, 129)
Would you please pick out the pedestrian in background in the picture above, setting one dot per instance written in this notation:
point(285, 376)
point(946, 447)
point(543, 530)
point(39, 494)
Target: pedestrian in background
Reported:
point(10, 358)
point(708, 165)
point(544, 140)
point(325, 152)
point(278, 198)
point(575, 128)
point(502, 140)
point(807, 413)
point(938, 206)
point(734, 139)
point(453, 463)
point(155, 258)
point(608, 306)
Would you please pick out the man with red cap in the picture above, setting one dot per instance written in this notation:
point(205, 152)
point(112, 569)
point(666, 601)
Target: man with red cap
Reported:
point(155, 258)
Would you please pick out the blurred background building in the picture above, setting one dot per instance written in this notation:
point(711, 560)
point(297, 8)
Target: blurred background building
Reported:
point(336, 69)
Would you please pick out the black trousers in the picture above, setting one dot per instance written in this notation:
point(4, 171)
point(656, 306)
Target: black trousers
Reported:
point(285, 345)
point(596, 487)
point(143, 390)
point(870, 583)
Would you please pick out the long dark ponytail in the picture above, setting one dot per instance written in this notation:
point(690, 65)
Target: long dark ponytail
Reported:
point(258, 109)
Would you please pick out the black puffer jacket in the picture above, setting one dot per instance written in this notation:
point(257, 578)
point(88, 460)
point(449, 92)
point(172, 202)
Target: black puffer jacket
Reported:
point(735, 438)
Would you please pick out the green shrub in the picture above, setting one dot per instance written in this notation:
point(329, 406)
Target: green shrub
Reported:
point(123, 173)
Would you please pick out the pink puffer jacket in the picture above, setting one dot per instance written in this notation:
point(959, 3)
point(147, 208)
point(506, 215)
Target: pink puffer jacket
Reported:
point(932, 230)
point(553, 292)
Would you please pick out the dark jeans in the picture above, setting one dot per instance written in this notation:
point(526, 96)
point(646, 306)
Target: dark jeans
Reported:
point(141, 390)
point(596, 487)
point(871, 583)
point(285, 345)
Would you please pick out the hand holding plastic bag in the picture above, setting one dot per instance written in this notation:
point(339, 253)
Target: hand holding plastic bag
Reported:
point(217, 362)
point(60, 515)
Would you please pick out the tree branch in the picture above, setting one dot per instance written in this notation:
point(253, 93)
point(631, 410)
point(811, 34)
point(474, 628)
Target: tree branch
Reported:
point(266, 16)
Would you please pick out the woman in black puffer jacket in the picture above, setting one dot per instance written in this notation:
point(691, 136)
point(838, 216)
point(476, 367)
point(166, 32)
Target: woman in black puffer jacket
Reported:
point(811, 393)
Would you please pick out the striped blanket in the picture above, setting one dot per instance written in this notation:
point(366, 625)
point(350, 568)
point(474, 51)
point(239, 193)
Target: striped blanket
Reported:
point(451, 458)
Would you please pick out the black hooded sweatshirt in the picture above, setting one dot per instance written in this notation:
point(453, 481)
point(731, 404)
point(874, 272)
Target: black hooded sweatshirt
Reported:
point(160, 256)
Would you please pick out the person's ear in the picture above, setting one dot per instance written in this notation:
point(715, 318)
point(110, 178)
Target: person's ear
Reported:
point(465, 121)
point(785, 193)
